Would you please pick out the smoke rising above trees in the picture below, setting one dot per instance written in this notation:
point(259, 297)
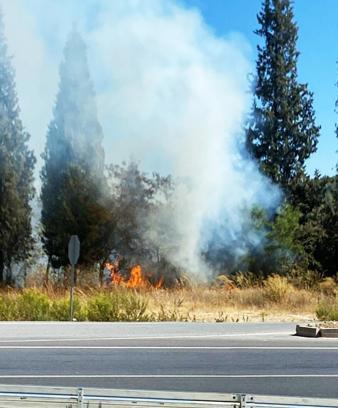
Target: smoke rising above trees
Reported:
point(169, 103)
point(73, 182)
point(175, 104)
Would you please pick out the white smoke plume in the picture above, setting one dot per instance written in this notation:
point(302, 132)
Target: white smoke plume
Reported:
point(170, 93)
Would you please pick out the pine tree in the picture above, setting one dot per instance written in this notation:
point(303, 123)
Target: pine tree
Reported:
point(16, 172)
point(73, 197)
point(281, 131)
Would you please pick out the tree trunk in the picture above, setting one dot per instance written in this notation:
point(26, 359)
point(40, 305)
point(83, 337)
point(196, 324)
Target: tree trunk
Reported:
point(102, 266)
point(2, 267)
point(9, 277)
point(47, 272)
point(101, 274)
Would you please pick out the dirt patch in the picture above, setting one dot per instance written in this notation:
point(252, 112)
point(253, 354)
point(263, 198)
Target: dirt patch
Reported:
point(328, 325)
point(322, 325)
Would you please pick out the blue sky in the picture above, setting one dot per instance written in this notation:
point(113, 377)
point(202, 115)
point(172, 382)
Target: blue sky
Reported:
point(318, 45)
point(44, 25)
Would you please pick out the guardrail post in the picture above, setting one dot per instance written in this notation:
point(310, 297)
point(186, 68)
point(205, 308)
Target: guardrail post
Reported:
point(80, 394)
point(243, 401)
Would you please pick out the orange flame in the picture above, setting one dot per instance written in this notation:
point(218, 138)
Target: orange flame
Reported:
point(116, 277)
point(159, 284)
point(136, 280)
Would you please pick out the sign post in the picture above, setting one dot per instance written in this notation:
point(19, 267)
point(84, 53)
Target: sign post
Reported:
point(73, 255)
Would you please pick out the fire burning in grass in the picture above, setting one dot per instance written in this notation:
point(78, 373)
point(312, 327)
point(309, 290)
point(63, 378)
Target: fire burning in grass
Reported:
point(136, 280)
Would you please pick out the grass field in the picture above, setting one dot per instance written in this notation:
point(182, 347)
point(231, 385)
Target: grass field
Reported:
point(273, 299)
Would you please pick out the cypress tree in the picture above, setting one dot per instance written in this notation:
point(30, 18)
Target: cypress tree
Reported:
point(73, 197)
point(336, 110)
point(281, 131)
point(16, 172)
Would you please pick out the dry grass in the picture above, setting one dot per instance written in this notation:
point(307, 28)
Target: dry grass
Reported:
point(236, 305)
point(274, 299)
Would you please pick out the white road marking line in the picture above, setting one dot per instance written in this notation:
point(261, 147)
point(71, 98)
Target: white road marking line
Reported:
point(169, 337)
point(57, 347)
point(23, 376)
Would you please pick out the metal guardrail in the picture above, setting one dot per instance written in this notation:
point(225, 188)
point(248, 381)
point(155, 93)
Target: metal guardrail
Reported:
point(15, 396)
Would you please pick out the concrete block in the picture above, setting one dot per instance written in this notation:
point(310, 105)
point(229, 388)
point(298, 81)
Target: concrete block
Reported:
point(328, 332)
point(307, 331)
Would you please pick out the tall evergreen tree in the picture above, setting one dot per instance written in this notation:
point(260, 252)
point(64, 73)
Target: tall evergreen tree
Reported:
point(281, 132)
point(73, 197)
point(75, 135)
point(16, 172)
point(336, 109)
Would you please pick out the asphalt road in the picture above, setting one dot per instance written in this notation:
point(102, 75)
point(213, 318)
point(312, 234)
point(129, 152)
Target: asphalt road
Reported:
point(249, 358)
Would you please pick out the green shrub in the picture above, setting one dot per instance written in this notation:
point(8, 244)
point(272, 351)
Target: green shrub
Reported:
point(32, 305)
point(117, 306)
point(35, 305)
point(326, 311)
point(60, 309)
point(103, 307)
point(8, 309)
point(133, 307)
